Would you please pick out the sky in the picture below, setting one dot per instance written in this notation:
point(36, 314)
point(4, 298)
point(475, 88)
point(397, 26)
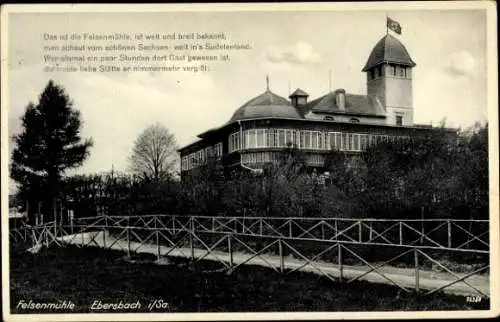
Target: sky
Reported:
point(295, 48)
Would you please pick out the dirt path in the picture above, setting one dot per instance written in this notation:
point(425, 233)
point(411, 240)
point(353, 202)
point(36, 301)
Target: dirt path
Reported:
point(428, 280)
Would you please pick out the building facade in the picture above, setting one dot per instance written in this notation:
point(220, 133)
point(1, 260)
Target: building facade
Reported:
point(268, 123)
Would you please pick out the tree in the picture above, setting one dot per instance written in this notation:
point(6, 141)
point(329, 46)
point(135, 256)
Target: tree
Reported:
point(154, 155)
point(49, 144)
point(201, 189)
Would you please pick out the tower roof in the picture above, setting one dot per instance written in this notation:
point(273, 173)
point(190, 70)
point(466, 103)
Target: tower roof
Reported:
point(389, 50)
point(298, 92)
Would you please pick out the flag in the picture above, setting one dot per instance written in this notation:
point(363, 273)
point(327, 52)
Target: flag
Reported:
point(394, 25)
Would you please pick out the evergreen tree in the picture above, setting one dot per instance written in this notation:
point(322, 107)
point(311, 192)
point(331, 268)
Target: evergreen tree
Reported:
point(49, 144)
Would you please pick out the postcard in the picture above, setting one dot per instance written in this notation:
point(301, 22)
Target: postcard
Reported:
point(250, 161)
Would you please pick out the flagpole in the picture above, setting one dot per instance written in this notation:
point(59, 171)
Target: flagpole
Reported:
point(386, 27)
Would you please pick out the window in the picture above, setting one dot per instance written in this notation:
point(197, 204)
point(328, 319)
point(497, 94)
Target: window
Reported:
point(355, 142)
point(402, 72)
point(184, 164)
point(296, 136)
point(260, 138)
point(364, 141)
point(251, 141)
point(393, 70)
point(320, 140)
point(354, 120)
point(379, 71)
point(208, 153)
point(314, 142)
point(316, 159)
point(217, 150)
point(307, 139)
point(237, 141)
point(343, 142)
point(289, 137)
point(244, 141)
point(399, 119)
point(372, 74)
point(234, 142)
point(328, 118)
point(230, 143)
point(270, 138)
point(281, 138)
point(338, 141)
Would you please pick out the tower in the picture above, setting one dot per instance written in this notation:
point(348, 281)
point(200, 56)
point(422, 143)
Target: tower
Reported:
point(389, 80)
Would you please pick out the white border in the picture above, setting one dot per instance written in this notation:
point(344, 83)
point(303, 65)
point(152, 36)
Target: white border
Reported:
point(492, 99)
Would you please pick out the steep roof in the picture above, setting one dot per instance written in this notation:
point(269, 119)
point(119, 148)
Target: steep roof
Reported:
point(265, 105)
point(389, 50)
point(354, 104)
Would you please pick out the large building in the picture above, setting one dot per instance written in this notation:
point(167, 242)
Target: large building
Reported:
point(268, 123)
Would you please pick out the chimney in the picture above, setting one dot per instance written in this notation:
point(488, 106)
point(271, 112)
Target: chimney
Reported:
point(299, 97)
point(340, 99)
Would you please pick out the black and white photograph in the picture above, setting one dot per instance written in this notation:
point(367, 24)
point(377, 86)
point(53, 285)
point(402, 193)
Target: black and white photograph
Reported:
point(250, 161)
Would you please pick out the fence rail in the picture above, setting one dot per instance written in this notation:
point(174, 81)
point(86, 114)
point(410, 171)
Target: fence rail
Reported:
point(439, 234)
point(318, 244)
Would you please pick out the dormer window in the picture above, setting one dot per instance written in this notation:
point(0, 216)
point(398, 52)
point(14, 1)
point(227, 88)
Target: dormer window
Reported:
point(299, 97)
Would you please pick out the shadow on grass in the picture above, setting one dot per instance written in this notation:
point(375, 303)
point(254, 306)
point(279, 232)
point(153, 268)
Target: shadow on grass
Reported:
point(85, 275)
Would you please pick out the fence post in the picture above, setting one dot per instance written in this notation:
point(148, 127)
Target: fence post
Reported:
point(44, 231)
point(360, 232)
point(38, 214)
point(191, 232)
point(54, 210)
point(104, 231)
point(401, 233)
point(340, 262)
point(449, 234)
point(282, 257)
point(61, 219)
point(71, 222)
point(422, 227)
point(230, 250)
point(128, 236)
point(157, 239)
point(417, 277)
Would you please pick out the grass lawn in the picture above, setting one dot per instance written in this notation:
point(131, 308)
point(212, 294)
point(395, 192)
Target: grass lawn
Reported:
point(84, 275)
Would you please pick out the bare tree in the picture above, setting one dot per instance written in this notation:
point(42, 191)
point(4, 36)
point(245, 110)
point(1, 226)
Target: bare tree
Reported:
point(154, 155)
